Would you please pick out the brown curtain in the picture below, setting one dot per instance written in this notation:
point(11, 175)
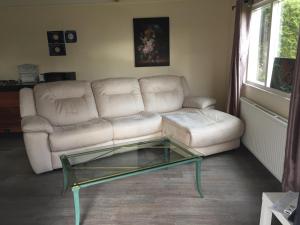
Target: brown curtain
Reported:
point(239, 54)
point(291, 174)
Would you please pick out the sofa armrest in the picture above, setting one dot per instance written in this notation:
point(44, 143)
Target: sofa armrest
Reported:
point(36, 124)
point(198, 102)
point(27, 105)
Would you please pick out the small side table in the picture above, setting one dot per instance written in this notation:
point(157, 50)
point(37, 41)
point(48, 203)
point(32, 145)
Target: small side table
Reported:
point(268, 199)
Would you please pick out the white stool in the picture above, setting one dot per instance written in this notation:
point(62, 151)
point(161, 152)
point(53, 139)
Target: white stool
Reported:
point(268, 199)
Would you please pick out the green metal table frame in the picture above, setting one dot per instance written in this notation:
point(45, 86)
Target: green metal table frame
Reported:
point(77, 186)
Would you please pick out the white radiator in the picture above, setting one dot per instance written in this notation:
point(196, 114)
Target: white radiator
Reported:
point(265, 135)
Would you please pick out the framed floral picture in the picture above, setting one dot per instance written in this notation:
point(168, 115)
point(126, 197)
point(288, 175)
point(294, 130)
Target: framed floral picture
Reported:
point(151, 41)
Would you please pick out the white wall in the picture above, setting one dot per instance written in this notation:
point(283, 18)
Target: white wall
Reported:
point(200, 33)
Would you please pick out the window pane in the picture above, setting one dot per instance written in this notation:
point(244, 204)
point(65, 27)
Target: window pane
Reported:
point(285, 32)
point(260, 28)
point(289, 29)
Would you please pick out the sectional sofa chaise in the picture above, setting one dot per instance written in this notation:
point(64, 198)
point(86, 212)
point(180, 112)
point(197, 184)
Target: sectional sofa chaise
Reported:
point(74, 116)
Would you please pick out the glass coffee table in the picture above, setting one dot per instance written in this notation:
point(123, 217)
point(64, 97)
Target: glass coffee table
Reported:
point(106, 164)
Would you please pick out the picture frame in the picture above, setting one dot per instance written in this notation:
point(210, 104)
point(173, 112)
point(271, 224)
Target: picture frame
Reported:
point(57, 49)
point(70, 36)
point(55, 37)
point(151, 41)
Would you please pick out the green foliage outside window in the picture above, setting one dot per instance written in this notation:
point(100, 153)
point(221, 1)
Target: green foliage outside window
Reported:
point(265, 31)
point(290, 22)
point(288, 36)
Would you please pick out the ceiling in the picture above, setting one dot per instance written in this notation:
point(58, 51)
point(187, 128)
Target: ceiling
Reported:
point(66, 2)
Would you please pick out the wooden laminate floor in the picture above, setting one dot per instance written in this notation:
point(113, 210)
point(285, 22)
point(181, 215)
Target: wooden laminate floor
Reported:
point(232, 185)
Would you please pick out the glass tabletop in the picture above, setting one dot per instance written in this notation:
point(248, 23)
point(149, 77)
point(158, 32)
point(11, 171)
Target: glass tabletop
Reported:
point(108, 162)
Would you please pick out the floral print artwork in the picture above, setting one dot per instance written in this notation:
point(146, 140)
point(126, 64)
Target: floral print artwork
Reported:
point(151, 41)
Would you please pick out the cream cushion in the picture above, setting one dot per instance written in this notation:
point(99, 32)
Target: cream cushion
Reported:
point(84, 134)
point(204, 128)
point(213, 149)
point(118, 97)
point(55, 156)
point(137, 125)
point(36, 124)
point(65, 102)
point(198, 102)
point(141, 138)
point(162, 93)
point(38, 151)
point(182, 111)
point(185, 86)
point(27, 106)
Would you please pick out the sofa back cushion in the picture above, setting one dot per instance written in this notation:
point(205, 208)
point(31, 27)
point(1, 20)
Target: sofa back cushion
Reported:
point(162, 93)
point(65, 102)
point(118, 97)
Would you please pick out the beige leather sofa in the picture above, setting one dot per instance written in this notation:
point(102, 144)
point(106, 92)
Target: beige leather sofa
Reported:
point(75, 116)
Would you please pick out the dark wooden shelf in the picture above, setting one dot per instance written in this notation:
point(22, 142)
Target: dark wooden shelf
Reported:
point(10, 120)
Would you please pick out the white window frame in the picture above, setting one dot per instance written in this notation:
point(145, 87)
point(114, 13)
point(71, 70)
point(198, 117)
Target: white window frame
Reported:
point(272, 39)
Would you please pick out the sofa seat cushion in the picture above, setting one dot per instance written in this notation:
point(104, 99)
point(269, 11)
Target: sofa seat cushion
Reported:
point(182, 111)
point(203, 128)
point(81, 135)
point(137, 125)
point(199, 102)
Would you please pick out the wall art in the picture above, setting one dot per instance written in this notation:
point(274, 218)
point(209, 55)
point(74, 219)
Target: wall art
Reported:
point(151, 41)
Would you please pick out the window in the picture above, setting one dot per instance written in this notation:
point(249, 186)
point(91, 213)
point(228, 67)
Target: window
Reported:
point(274, 31)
